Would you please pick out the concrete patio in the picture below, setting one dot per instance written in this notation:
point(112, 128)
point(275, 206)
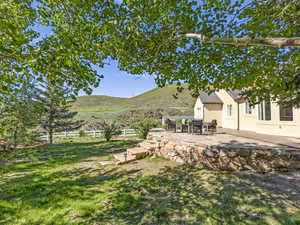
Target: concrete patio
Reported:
point(229, 138)
point(270, 139)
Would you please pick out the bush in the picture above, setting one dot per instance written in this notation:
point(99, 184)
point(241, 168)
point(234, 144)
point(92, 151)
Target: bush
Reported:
point(82, 133)
point(143, 126)
point(110, 130)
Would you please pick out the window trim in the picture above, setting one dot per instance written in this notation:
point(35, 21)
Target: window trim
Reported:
point(261, 111)
point(248, 109)
point(229, 110)
point(200, 112)
point(292, 116)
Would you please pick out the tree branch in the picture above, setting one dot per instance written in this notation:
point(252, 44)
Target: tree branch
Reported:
point(244, 41)
point(4, 56)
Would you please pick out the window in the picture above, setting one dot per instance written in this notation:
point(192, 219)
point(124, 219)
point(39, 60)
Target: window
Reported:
point(229, 110)
point(264, 110)
point(199, 113)
point(286, 113)
point(248, 108)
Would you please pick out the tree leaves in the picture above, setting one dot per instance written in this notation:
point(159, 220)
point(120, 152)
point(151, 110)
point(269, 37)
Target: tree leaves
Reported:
point(141, 36)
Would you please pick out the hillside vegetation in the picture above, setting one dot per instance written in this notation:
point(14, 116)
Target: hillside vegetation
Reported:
point(95, 108)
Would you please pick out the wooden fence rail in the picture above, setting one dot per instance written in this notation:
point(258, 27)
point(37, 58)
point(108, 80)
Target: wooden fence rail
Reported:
point(93, 133)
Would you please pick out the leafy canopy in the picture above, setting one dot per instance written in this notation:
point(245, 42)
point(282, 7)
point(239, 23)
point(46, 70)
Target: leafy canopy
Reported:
point(157, 33)
point(208, 44)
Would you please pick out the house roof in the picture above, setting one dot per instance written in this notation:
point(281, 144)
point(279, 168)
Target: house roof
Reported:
point(235, 94)
point(209, 98)
point(178, 117)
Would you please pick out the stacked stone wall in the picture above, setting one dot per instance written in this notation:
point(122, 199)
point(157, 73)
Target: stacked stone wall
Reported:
point(223, 157)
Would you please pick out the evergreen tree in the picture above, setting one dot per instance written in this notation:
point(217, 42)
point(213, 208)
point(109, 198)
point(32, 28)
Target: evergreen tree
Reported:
point(57, 116)
point(19, 113)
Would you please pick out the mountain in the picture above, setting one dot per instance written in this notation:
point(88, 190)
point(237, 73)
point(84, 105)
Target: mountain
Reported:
point(97, 108)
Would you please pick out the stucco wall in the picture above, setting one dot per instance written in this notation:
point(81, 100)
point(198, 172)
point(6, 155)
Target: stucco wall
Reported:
point(274, 126)
point(228, 121)
point(213, 112)
point(248, 122)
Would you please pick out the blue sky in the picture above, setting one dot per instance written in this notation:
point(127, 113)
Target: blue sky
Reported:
point(115, 83)
point(121, 84)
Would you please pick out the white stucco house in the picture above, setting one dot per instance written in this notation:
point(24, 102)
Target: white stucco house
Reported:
point(233, 112)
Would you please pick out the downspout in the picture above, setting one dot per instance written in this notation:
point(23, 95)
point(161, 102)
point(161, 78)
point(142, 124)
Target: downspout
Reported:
point(238, 115)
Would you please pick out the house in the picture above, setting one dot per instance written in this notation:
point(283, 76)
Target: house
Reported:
point(233, 112)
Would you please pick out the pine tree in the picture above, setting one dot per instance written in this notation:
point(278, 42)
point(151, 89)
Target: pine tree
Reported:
point(19, 113)
point(57, 116)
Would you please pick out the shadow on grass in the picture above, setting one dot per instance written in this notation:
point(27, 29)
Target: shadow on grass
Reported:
point(41, 157)
point(51, 190)
point(186, 195)
point(56, 191)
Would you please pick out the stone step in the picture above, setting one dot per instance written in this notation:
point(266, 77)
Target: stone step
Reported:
point(138, 152)
point(124, 158)
point(147, 146)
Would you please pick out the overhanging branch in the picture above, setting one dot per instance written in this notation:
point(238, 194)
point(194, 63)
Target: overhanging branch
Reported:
point(244, 41)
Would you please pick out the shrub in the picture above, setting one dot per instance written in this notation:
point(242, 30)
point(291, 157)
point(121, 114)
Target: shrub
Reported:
point(110, 130)
point(143, 126)
point(82, 133)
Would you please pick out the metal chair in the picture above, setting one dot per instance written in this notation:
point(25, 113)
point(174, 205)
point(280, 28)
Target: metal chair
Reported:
point(213, 126)
point(170, 125)
point(197, 126)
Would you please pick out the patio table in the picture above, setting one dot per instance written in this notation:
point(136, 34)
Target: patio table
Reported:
point(205, 127)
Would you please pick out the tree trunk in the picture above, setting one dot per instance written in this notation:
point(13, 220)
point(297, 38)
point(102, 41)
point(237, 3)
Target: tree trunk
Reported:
point(50, 136)
point(15, 136)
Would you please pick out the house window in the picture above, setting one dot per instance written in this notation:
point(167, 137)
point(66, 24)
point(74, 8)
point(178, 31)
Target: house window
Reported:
point(286, 113)
point(248, 108)
point(199, 113)
point(229, 110)
point(264, 110)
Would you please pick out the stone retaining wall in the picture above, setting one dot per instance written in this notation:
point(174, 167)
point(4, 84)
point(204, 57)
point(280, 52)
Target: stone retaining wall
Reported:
point(223, 157)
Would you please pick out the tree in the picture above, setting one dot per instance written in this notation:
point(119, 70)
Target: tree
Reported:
point(110, 130)
point(19, 114)
point(214, 45)
point(207, 44)
point(64, 51)
point(142, 126)
point(57, 116)
point(16, 17)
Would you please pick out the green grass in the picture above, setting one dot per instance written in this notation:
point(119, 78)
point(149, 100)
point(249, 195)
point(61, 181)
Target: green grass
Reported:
point(65, 184)
point(105, 107)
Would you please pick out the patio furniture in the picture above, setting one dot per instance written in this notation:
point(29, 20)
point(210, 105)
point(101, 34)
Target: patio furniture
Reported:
point(184, 126)
point(197, 126)
point(213, 126)
point(170, 125)
point(210, 126)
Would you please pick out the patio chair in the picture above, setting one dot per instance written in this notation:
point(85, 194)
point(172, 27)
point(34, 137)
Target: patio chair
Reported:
point(197, 126)
point(184, 126)
point(213, 126)
point(170, 125)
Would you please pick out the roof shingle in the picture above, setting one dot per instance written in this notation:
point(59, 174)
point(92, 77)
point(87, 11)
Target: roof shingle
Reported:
point(209, 98)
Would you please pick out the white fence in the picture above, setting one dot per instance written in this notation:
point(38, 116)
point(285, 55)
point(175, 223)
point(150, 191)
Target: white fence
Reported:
point(94, 133)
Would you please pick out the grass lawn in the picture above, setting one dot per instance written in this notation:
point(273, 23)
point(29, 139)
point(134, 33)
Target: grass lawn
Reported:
point(65, 184)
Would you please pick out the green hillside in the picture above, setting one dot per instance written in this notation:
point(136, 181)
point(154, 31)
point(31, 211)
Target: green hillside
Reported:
point(95, 108)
